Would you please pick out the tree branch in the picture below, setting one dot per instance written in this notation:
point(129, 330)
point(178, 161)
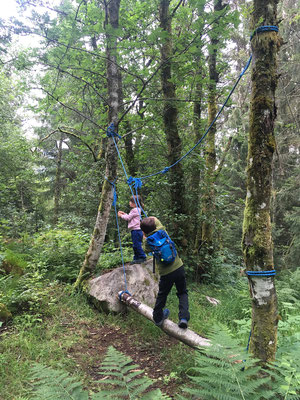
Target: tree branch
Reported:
point(73, 109)
point(67, 132)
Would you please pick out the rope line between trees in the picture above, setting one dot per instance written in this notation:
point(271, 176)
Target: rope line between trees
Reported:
point(137, 182)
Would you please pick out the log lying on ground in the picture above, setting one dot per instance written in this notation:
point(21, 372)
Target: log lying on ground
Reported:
point(186, 336)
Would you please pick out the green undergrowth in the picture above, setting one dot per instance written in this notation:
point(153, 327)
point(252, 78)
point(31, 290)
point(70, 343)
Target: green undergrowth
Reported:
point(59, 319)
point(50, 320)
point(45, 337)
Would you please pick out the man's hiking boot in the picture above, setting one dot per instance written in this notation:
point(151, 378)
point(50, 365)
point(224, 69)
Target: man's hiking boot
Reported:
point(166, 313)
point(183, 324)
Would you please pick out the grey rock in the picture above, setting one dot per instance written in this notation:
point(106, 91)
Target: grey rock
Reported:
point(141, 283)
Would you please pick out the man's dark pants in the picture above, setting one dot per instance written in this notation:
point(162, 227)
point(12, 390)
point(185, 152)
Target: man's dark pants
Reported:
point(166, 282)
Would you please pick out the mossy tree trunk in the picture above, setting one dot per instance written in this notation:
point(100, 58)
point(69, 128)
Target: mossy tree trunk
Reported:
point(97, 240)
point(208, 197)
point(257, 237)
point(170, 117)
point(57, 186)
point(195, 175)
point(198, 128)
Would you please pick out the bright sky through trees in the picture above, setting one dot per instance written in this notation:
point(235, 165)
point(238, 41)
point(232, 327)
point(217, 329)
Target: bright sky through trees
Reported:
point(8, 8)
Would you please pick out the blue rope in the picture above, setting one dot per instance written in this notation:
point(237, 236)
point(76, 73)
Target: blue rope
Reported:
point(265, 28)
point(119, 235)
point(123, 291)
point(138, 181)
point(261, 273)
point(111, 133)
point(248, 344)
point(166, 169)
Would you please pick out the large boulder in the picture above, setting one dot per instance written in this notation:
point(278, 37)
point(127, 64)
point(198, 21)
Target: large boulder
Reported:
point(141, 283)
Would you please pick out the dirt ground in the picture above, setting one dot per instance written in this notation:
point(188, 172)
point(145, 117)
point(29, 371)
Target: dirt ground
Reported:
point(99, 339)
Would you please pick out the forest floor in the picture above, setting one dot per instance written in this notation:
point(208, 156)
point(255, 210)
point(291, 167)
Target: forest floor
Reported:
point(72, 336)
point(89, 355)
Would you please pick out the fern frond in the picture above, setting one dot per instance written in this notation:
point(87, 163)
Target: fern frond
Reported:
point(124, 379)
point(50, 384)
point(225, 372)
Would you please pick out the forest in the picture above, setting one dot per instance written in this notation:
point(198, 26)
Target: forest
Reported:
point(193, 105)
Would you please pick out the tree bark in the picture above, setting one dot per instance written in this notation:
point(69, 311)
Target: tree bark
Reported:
point(186, 336)
point(57, 186)
point(208, 197)
point(97, 240)
point(170, 115)
point(257, 237)
point(129, 153)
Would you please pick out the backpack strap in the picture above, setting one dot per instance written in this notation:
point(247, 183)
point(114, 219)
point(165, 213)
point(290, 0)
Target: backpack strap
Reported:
point(153, 269)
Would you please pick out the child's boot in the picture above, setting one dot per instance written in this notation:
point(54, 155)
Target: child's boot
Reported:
point(166, 313)
point(183, 324)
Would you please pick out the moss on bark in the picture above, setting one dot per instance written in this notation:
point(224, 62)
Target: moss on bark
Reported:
point(113, 81)
point(257, 237)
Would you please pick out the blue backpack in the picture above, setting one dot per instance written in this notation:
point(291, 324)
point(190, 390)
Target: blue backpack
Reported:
point(162, 247)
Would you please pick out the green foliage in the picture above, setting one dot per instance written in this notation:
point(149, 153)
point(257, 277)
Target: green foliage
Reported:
point(224, 269)
point(60, 252)
point(50, 384)
point(123, 379)
point(23, 293)
point(239, 375)
point(111, 255)
point(15, 261)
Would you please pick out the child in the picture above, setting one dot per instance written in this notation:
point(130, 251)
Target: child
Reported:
point(133, 219)
point(170, 274)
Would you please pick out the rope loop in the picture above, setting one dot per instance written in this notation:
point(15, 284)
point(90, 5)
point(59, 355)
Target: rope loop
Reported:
point(111, 131)
point(261, 273)
point(138, 183)
point(123, 291)
point(265, 28)
point(130, 180)
point(165, 170)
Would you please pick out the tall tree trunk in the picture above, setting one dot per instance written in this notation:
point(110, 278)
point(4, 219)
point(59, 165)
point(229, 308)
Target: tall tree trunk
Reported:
point(257, 237)
point(97, 240)
point(129, 153)
point(57, 185)
point(170, 114)
point(208, 197)
point(195, 175)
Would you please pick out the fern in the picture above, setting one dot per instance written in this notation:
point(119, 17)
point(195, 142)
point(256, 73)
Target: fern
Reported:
point(50, 384)
point(286, 369)
point(219, 374)
point(123, 378)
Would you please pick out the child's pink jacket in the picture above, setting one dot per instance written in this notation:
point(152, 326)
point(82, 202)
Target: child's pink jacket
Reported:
point(133, 219)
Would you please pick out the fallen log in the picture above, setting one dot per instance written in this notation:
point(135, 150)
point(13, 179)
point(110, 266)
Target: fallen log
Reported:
point(186, 336)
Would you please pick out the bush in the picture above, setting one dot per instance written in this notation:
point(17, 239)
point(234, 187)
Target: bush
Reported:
point(60, 253)
point(12, 262)
point(111, 254)
point(23, 293)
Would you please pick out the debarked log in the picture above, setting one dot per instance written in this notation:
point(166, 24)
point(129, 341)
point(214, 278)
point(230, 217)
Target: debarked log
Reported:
point(186, 336)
